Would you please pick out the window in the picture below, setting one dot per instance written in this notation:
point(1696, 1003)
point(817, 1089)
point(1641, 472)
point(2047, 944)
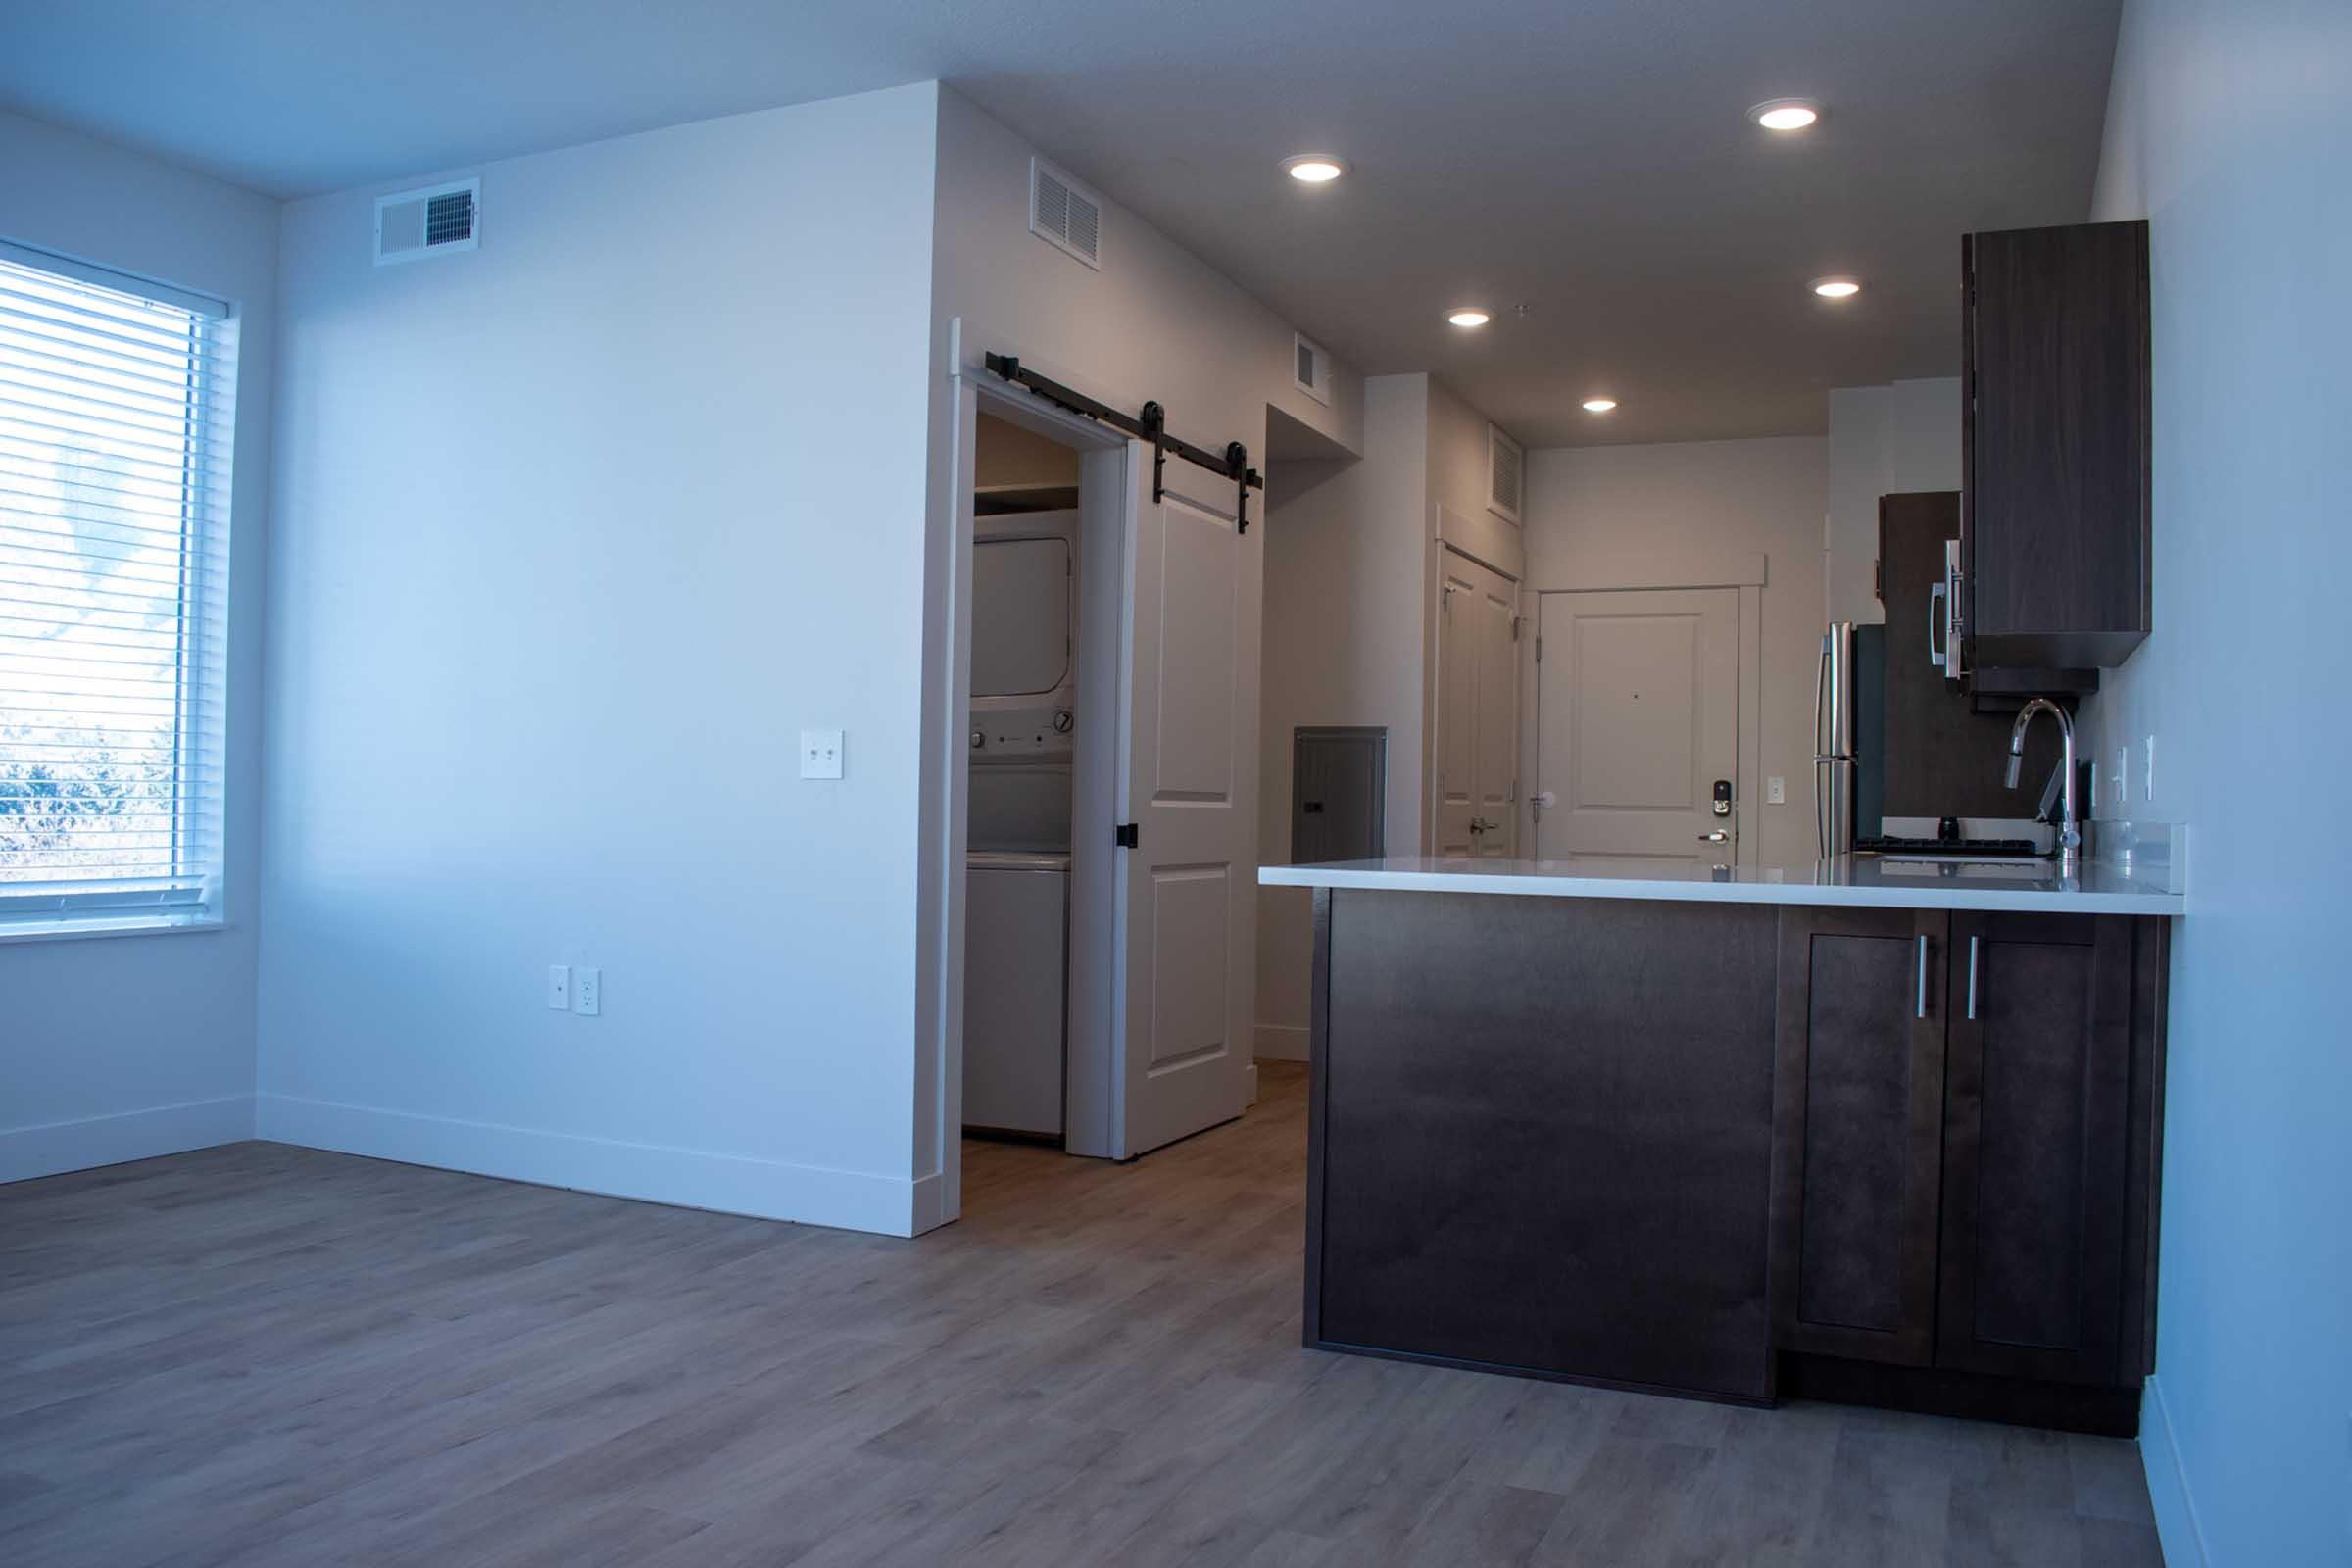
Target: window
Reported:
point(116, 408)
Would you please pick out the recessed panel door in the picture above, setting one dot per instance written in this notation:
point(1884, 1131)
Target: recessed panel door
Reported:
point(1637, 714)
point(1478, 711)
point(1188, 883)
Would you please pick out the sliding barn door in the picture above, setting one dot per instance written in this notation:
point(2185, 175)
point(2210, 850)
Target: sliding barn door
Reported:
point(1188, 883)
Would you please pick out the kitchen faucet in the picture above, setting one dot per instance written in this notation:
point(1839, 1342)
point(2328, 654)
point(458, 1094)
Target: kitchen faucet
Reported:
point(2070, 831)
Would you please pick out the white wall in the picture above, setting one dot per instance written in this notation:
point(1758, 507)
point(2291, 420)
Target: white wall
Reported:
point(1351, 637)
point(1590, 510)
point(1154, 322)
point(1884, 440)
point(574, 535)
point(2227, 125)
point(126, 1046)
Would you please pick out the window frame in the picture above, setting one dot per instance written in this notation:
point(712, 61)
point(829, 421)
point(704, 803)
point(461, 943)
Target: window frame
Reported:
point(194, 899)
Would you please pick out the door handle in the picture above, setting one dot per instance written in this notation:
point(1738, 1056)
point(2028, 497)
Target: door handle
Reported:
point(1972, 977)
point(1719, 836)
point(1922, 977)
point(1938, 628)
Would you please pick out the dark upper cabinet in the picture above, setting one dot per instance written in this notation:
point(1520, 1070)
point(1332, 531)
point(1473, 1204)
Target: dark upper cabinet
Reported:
point(2054, 541)
point(1858, 1133)
point(1965, 1122)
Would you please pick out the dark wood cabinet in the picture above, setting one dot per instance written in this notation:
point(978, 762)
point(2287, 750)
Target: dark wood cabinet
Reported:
point(1541, 1136)
point(1859, 1134)
point(2037, 1100)
point(1967, 1116)
point(2055, 463)
point(1939, 754)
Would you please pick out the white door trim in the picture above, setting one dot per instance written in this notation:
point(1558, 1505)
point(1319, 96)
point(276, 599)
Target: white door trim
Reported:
point(1665, 568)
point(942, 834)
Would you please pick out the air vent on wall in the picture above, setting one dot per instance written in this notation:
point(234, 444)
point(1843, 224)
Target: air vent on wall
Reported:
point(1507, 474)
point(1064, 214)
point(438, 218)
point(1313, 371)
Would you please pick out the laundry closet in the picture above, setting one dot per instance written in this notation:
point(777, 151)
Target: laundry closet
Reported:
point(1024, 719)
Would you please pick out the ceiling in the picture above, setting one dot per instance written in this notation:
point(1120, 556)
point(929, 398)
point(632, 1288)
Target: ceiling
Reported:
point(1592, 161)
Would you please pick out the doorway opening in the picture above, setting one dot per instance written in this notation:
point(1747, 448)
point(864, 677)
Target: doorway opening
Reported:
point(1096, 922)
point(1025, 711)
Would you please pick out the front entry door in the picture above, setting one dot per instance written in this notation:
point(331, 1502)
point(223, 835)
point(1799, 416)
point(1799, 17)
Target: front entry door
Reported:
point(1637, 705)
point(1187, 895)
point(1478, 711)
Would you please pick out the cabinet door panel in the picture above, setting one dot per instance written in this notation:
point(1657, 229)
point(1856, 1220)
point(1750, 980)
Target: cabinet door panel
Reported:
point(2056, 444)
point(2037, 1097)
point(1858, 1119)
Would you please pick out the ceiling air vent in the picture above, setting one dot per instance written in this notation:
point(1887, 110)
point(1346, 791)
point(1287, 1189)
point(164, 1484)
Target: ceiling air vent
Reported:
point(1312, 373)
point(1506, 475)
point(1064, 214)
point(415, 223)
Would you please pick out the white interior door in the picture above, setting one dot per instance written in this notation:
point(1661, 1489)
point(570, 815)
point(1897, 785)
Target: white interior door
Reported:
point(1478, 711)
point(1638, 716)
point(1187, 894)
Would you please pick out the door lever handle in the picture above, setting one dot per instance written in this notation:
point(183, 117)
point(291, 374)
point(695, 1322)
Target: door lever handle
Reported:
point(1719, 836)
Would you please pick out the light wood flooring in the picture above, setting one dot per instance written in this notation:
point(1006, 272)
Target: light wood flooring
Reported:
point(265, 1355)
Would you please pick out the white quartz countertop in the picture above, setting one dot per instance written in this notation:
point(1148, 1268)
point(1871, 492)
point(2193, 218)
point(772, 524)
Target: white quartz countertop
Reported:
point(1854, 879)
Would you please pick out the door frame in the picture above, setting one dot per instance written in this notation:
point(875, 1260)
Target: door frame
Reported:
point(1662, 571)
point(1090, 1108)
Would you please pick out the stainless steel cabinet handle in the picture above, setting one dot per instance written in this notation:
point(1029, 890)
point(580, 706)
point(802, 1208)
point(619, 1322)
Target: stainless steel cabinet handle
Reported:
point(1719, 836)
point(1922, 977)
point(1972, 977)
point(1937, 629)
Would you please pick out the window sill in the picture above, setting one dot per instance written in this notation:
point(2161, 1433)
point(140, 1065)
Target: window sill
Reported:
point(79, 928)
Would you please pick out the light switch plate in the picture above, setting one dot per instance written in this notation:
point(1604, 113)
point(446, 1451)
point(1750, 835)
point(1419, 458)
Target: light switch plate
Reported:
point(587, 992)
point(1775, 790)
point(820, 754)
point(558, 987)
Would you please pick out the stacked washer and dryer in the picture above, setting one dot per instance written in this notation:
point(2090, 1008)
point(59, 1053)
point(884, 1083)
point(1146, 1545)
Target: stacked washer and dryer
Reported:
point(1018, 886)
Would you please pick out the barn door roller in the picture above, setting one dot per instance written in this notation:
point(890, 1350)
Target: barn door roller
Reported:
point(1151, 424)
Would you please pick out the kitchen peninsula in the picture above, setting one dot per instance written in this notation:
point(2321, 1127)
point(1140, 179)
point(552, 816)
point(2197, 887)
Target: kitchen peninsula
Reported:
point(1874, 1130)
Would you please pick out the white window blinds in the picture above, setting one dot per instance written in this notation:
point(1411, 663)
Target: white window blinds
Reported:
point(116, 404)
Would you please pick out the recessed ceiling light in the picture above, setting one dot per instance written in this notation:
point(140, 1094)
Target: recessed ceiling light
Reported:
point(1835, 288)
point(1786, 113)
point(1314, 169)
point(1467, 318)
point(1599, 405)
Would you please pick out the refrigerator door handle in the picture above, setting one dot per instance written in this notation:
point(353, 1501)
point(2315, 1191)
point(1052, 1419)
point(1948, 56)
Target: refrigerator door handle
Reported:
point(1821, 749)
point(1820, 813)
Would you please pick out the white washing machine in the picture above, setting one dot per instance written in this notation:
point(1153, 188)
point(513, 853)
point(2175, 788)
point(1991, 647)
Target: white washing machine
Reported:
point(1016, 921)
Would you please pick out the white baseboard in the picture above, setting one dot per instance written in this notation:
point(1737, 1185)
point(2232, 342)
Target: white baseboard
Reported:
point(56, 1147)
point(2176, 1528)
point(1281, 1042)
point(730, 1184)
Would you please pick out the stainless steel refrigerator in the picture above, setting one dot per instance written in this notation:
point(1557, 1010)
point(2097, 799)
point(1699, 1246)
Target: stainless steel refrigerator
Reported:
point(1848, 695)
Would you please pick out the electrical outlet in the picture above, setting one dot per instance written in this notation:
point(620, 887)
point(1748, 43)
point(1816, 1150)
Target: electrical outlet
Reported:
point(820, 754)
point(1775, 792)
point(2147, 763)
point(587, 992)
point(558, 987)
